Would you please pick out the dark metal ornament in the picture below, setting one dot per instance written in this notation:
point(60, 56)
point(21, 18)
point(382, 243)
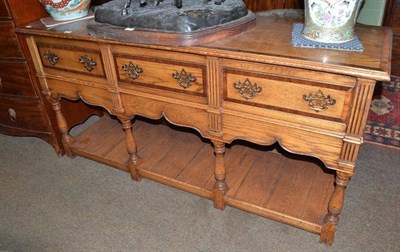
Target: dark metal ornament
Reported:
point(179, 16)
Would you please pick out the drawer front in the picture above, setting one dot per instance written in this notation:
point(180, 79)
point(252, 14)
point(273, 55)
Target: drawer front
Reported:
point(160, 73)
point(4, 13)
point(15, 80)
point(288, 90)
point(23, 114)
point(74, 58)
point(9, 45)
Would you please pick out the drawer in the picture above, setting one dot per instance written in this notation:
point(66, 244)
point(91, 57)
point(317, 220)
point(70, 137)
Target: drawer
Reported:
point(23, 114)
point(187, 75)
point(15, 80)
point(73, 58)
point(4, 12)
point(9, 45)
point(319, 95)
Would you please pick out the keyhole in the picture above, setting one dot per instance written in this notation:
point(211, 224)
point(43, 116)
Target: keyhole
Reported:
point(13, 114)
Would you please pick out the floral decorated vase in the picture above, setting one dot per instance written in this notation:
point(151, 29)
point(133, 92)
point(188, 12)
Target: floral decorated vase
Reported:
point(61, 10)
point(330, 21)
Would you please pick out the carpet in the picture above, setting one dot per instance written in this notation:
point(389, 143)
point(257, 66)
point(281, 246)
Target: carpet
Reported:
point(51, 204)
point(383, 124)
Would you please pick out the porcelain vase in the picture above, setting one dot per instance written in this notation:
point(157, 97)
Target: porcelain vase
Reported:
point(61, 10)
point(330, 21)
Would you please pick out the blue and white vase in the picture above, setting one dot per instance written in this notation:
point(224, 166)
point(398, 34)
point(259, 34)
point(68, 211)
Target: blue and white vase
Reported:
point(61, 10)
point(330, 21)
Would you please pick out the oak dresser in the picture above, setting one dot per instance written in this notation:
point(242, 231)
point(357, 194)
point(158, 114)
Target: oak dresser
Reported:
point(253, 87)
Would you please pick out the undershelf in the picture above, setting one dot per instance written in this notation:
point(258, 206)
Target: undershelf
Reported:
point(291, 190)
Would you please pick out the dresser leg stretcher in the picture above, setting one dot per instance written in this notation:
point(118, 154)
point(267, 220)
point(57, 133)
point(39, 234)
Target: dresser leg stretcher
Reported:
point(334, 208)
point(67, 139)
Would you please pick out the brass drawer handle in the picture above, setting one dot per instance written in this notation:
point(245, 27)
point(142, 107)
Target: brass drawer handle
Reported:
point(88, 62)
point(318, 101)
point(51, 57)
point(12, 114)
point(132, 71)
point(246, 89)
point(184, 79)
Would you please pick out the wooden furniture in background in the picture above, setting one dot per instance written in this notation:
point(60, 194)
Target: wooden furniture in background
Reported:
point(259, 5)
point(22, 109)
point(252, 86)
point(392, 19)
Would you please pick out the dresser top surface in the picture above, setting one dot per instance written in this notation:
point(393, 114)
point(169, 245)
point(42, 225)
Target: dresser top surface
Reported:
point(269, 41)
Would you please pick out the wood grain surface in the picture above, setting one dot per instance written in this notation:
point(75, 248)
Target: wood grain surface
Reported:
point(253, 86)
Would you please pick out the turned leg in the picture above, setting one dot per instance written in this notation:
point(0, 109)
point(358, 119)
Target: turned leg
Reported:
point(334, 208)
point(67, 139)
point(131, 145)
point(220, 186)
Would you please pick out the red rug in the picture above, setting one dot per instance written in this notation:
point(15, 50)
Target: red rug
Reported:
point(383, 125)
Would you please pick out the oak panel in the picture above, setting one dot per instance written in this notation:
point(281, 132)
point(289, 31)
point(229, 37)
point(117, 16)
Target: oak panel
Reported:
point(93, 96)
point(285, 94)
point(174, 112)
point(159, 74)
point(283, 88)
point(68, 59)
point(325, 147)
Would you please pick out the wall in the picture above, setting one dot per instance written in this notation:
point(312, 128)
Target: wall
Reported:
point(372, 12)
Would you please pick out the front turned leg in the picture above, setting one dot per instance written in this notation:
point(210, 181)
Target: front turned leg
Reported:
point(67, 139)
point(334, 208)
point(131, 146)
point(220, 186)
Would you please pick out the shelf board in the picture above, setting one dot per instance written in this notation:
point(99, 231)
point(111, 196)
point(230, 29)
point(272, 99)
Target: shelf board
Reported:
point(289, 189)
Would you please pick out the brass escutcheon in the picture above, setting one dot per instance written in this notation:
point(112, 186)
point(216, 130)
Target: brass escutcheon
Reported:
point(51, 57)
point(246, 89)
point(132, 71)
point(88, 62)
point(318, 101)
point(184, 79)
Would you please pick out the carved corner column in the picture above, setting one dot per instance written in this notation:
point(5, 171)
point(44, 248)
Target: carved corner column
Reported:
point(214, 79)
point(131, 146)
point(334, 208)
point(361, 101)
point(220, 186)
point(67, 139)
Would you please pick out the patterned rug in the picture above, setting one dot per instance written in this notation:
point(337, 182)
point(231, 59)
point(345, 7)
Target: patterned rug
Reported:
point(383, 125)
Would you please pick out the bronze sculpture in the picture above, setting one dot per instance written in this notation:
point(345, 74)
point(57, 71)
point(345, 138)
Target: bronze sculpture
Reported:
point(170, 22)
point(170, 15)
point(178, 4)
